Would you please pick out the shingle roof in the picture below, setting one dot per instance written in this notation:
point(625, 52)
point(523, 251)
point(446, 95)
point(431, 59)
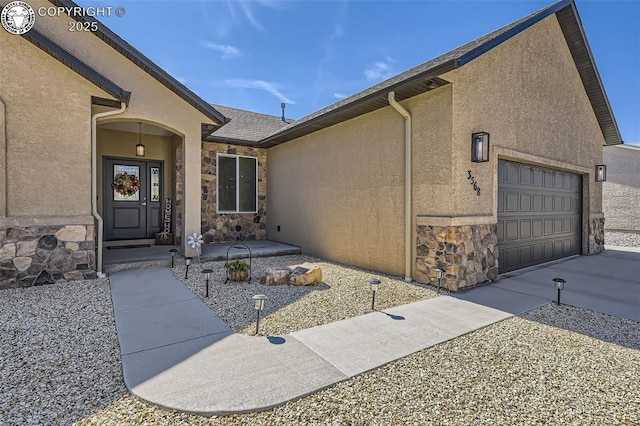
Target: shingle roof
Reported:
point(421, 78)
point(245, 127)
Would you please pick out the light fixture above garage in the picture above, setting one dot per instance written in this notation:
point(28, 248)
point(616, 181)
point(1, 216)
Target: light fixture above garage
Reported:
point(139, 146)
point(601, 173)
point(480, 147)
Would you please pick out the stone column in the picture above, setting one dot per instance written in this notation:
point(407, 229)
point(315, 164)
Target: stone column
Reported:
point(468, 254)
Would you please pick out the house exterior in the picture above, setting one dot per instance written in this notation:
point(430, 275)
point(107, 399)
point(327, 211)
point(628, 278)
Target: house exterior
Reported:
point(621, 195)
point(383, 179)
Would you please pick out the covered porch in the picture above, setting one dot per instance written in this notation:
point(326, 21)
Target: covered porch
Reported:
point(123, 258)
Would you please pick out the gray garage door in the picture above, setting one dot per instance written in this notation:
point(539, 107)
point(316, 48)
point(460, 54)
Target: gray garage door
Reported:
point(539, 215)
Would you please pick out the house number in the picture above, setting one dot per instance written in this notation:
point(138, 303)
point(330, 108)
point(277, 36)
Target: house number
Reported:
point(473, 182)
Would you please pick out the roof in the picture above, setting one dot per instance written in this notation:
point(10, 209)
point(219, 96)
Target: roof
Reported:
point(246, 126)
point(147, 65)
point(77, 65)
point(423, 78)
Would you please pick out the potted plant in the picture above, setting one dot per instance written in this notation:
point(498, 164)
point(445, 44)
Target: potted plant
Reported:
point(237, 270)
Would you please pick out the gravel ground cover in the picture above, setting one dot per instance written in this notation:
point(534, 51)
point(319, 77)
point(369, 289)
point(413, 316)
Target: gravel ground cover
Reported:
point(344, 293)
point(59, 354)
point(59, 364)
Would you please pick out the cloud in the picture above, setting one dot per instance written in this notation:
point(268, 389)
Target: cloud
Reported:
point(339, 95)
point(227, 51)
point(269, 87)
point(380, 70)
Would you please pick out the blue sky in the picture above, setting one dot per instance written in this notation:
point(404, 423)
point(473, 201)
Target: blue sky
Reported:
point(255, 54)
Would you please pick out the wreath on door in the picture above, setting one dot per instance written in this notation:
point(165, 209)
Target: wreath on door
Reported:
point(126, 184)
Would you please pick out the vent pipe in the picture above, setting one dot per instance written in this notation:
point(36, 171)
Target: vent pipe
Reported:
point(283, 106)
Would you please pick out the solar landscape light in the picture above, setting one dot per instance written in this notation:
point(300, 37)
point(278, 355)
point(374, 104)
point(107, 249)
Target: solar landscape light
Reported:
point(375, 284)
point(559, 283)
point(258, 303)
point(439, 275)
point(207, 274)
point(173, 255)
point(187, 262)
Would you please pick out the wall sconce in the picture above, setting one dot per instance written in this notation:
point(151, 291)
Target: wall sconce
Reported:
point(140, 146)
point(601, 173)
point(479, 147)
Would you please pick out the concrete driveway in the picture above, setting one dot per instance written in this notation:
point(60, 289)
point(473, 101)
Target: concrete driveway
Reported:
point(608, 282)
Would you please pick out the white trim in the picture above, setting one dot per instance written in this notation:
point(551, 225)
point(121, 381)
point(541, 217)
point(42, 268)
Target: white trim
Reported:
point(237, 210)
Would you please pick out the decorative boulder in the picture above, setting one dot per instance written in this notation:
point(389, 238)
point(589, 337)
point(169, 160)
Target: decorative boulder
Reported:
point(276, 276)
point(305, 274)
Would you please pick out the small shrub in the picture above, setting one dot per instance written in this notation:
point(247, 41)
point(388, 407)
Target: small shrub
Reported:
point(236, 265)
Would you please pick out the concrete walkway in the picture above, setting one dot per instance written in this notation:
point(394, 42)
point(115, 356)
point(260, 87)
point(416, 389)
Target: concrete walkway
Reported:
point(177, 354)
point(608, 282)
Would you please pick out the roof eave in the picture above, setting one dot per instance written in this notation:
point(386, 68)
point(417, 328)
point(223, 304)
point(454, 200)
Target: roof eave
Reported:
point(147, 65)
point(576, 39)
point(315, 124)
point(84, 70)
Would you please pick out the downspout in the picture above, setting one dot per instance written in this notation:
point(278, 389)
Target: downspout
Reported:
point(407, 185)
point(94, 182)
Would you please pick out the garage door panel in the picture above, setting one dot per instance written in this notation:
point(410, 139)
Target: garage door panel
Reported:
point(525, 229)
point(539, 215)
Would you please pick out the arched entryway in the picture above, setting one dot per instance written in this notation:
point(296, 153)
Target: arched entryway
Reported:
point(137, 193)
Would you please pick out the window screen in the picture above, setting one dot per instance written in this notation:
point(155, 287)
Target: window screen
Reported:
point(247, 193)
point(227, 183)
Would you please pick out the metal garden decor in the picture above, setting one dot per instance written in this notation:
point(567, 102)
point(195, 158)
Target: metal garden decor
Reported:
point(237, 265)
point(195, 241)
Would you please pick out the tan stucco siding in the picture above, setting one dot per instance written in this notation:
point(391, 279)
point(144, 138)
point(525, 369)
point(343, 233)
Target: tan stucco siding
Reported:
point(528, 95)
point(151, 102)
point(338, 192)
point(114, 143)
point(48, 133)
point(621, 198)
point(431, 115)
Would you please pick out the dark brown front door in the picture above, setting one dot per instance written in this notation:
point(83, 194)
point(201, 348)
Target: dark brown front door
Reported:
point(132, 198)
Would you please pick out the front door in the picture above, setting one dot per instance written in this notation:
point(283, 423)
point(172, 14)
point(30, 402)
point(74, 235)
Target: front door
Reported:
point(132, 198)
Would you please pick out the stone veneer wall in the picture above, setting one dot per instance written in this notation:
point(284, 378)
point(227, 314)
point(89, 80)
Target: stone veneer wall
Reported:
point(468, 254)
point(222, 227)
point(38, 255)
point(596, 235)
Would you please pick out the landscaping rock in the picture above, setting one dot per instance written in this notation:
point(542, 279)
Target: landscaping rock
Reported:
point(276, 276)
point(305, 274)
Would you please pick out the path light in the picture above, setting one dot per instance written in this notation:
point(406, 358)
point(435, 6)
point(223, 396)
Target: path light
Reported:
point(173, 256)
point(187, 262)
point(207, 274)
point(375, 284)
point(559, 282)
point(439, 275)
point(258, 303)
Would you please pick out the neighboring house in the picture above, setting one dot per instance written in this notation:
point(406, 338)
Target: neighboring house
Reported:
point(383, 179)
point(621, 195)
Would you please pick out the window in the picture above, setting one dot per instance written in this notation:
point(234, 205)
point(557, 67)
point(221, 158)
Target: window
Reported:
point(237, 184)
